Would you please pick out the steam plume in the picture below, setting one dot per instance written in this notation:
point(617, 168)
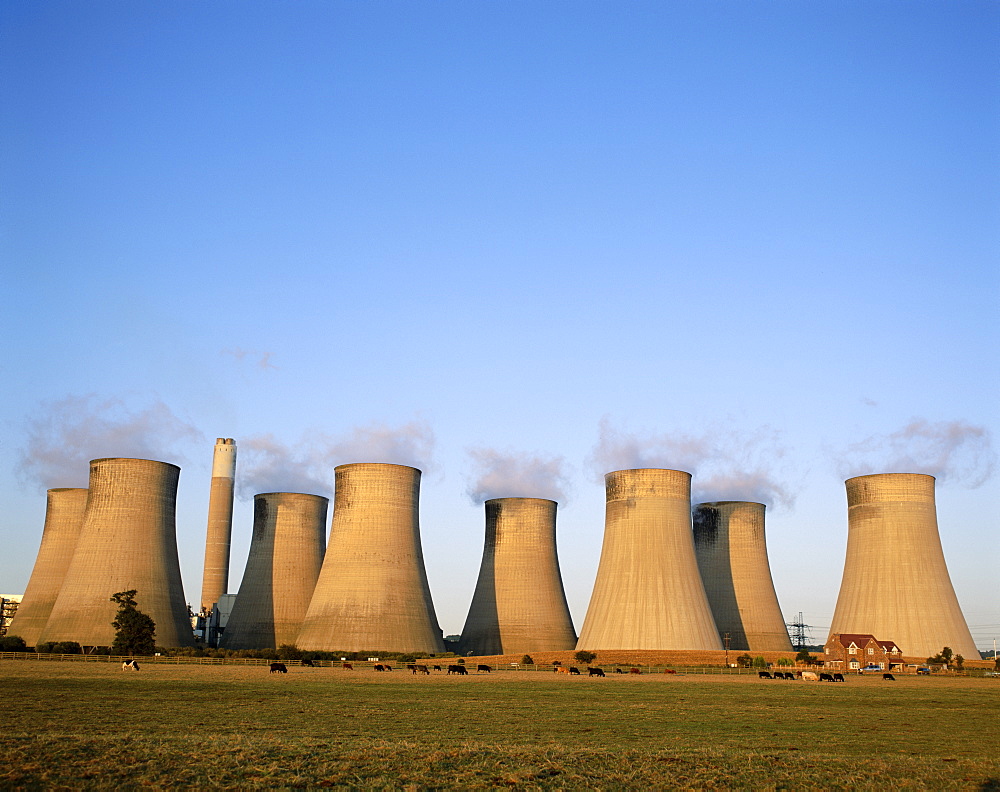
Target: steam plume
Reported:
point(68, 433)
point(951, 451)
point(509, 475)
point(724, 464)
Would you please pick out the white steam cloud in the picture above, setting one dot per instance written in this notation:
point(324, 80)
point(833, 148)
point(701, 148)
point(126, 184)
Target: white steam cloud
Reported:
point(268, 465)
point(951, 451)
point(724, 464)
point(68, 433)
point(499, 474)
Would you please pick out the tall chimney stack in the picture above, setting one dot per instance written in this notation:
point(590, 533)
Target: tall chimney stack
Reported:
point(215, 581)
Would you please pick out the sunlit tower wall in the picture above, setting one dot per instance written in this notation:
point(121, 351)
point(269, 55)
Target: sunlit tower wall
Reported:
point(286, 554)
point(372, 592)
point(64, 509)
point(896, 584)
point(519, 604)
point(732, 557)
point(215, 580)
point(128, 541)
point(648, 593)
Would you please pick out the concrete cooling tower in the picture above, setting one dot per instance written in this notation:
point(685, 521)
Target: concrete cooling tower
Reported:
point(286, 553)
point(63, 519)
point(519, 605)
point(372, 592)
point(215, 581)
point(648, 593)
point(896, 584)
point(128, 541)
point(732, 557)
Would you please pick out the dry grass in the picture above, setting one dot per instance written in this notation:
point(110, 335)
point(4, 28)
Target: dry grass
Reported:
point(83, 725)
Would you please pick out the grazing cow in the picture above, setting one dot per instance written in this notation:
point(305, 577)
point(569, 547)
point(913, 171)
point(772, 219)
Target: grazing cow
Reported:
point(574, 670)
point(421, 669)
point(278, 668)
point(130, 665)
point(591, 671)
point(669, 671)
point(810, 676)
point(378, 667)
point(826, 677)
point(634, 671)
point(388, 668)
point(838, 677)
point(437, 668)
point(308, 663)
point(764, 675)
point(562, 670)
point(889, 677)
point(789, 675)
point(619, 671)
point(411, 667)
point(347, 666)
point(483, 668)
point(461, 670)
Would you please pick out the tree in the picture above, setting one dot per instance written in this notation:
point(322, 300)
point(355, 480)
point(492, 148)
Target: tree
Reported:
point(585, 657)
point(527, 660)
point(135, 631)
point(12, 643)
point(942, 658)
point(745, 660)
point(960, 662)
point(759, 662)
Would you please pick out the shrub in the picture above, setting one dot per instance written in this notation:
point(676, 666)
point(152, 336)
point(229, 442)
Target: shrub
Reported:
point(585, 657)
point(527, 660)
point(745, 660)
point(12, 643)
point(759, 662)
point(784, 661)
point(289, 652)
point(67, 647)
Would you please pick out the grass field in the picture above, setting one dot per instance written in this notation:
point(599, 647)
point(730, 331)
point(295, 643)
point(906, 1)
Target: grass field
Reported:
point(90, 725)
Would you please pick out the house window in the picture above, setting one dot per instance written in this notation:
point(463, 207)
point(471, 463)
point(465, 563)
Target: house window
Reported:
point(853, 650)
point(855, 664)
point(871, 651)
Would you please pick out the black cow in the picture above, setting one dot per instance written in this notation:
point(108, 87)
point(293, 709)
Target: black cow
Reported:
point(826, 677)
point(437, 668)
point(411, 667)
point(838, 677)
point(378, 667)
point(308, 663)
point(278, 668)
point(461, 670)
point(421, 669)
point(764, 675)
point(347, 667)
point(889, 677)
point(574, 670)
point(483, 668)
point(591, 671)
point(619, 671)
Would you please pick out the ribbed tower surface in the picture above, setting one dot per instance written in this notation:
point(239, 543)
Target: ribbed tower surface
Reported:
point(372, 592)
point(286, 553)
point(648, 593)
point(128, 541)
point(896, 584)
point(519, 604)
point(732, 557)
point(64, 510)
point(215, 580)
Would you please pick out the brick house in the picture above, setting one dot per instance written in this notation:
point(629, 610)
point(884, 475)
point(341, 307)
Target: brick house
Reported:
point(853, 651)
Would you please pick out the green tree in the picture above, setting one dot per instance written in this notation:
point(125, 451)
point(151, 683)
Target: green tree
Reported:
point(12, 643)
point(745, 660)
point(135, 631)
point(289, 652)
point(527, 660)
point(759, 662)
point(942, 658)
point(804, 657)
point(585, 657)
point(960, 662)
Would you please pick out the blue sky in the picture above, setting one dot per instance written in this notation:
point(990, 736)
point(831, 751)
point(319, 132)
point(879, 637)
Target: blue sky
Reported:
point(511, 243)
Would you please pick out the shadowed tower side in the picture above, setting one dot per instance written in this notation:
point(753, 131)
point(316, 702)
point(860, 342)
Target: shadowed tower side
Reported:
point(519, 604)
point(372, 591)
point(286, 553)
point(128, 541)
point(896, 584)
point(64, 510)
point(215, 579)
point(648, 593)
point(732, 557)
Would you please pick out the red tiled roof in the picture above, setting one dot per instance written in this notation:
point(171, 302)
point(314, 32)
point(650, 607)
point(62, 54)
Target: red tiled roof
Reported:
point(858, 639)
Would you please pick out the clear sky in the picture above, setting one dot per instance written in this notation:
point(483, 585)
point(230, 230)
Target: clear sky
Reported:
point(516, 244)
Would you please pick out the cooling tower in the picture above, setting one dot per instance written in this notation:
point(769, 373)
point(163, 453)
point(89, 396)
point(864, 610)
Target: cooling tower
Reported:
point(896, 584)
point(63, 519)
point(519, 605)
point(215, 581)
point(648, 593)
point(128, 541)
point(732, 557)
point(372, 592)
point(286, 553)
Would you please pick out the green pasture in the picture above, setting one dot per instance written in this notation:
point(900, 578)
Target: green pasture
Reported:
point(91, 725)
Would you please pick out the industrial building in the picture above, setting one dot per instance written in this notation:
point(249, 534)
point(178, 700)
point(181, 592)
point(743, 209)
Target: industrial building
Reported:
point(732, 558)
point(519, 605)
point(286, 554)
point(372, 592)
point(896, 582)
point(127, 541)
point(648, 593)
point(64, 511)
point(215, 577)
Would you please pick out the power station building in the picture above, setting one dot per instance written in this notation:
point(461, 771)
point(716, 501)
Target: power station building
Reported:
point(896, 583)
point(648, 593)
point(127, 541)
point(372, 592)
point(64, 510)
point(286, 554)
point(732, 558)
point(519, 604)
point(215, 578)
